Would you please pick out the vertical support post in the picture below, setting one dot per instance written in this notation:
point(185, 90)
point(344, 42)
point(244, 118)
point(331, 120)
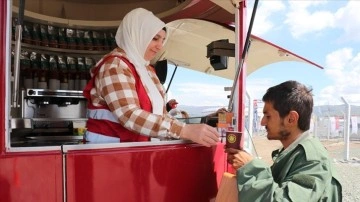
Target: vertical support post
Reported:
point(5, 27)
point(347, 128)
point(315, 125)
point(328, 128)
point(18, 37)
point(241, 89)
point(238, 91)
point(251, 122)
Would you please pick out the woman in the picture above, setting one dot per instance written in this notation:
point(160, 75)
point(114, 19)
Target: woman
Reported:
point(125, 98)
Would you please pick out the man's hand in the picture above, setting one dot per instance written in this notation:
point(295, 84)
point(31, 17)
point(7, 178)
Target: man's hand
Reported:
point(237, 158)
point(200, 133)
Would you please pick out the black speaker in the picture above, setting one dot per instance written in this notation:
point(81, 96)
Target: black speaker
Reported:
point(161, 70)
point(218, 62)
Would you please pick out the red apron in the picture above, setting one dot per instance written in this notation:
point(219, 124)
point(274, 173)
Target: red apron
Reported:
point(110, 128)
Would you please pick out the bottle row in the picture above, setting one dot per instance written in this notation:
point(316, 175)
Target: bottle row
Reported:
point(53, 71)
point(66, 38)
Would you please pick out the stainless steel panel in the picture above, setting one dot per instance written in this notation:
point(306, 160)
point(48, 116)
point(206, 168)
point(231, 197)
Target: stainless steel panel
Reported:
point(18, 123)
point(32, 110)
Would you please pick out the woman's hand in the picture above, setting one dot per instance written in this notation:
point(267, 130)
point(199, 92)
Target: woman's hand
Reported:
point(200, 133)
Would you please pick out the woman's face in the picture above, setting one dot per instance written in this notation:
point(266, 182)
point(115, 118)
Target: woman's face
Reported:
point(155, 45)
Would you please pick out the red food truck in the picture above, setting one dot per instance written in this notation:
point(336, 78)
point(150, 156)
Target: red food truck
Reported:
point(47, 48)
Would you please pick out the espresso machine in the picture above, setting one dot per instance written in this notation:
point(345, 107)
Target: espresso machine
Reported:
point(48, 118)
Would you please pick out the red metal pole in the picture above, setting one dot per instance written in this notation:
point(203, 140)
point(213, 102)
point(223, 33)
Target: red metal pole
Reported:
point(242, 76)
point(239, 104)
point(3, 32)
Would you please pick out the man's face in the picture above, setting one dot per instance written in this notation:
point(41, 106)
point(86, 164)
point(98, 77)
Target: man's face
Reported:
point(274, 125)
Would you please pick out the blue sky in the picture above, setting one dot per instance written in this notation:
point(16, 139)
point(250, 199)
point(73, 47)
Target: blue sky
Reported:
point(326, 32)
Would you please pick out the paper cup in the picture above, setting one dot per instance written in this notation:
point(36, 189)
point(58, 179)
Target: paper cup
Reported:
point(233, 139)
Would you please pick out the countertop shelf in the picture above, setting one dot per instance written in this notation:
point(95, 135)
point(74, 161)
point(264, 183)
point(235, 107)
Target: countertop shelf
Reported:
point(74, 52)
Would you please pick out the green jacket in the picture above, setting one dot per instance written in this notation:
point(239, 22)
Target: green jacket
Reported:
point(301, 173)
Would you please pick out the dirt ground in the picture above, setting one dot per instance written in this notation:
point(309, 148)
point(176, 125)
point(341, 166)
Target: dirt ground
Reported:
point(348, 167)
point(336, 148)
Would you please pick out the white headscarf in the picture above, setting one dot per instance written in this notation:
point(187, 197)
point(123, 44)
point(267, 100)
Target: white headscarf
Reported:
point(134, 34)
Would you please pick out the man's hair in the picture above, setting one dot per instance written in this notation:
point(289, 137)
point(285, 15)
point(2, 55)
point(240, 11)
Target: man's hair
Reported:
point(292, 95)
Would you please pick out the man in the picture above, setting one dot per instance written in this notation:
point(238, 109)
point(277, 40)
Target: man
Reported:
point(171, 104)
point(171, 108)
point(302, 169)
